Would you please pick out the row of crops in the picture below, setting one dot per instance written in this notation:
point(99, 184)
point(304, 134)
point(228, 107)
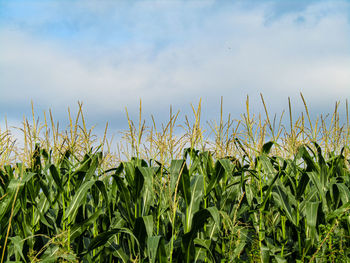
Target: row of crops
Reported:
point(195, 209)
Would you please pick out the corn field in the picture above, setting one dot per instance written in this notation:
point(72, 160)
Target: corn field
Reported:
point(252, 191)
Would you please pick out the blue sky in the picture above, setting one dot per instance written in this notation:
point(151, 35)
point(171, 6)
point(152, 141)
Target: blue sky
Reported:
point(111, 54)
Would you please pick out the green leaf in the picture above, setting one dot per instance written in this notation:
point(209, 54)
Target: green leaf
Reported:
point(267, 165)
point(17, 243)
point(101, 186)
point(56, 177)
point(311, 213)
point(199, 220)
point(124, 196)
point(102, 238)
point(268, 192)
point(156, 249)
point(78, 229)
point(78, 199)
point(203, 244)
point(281, 196)
point(342, 211)
point(178, 168)
point(120, 254)
point(148, 221)
point(302, 184)
point(148, 191)
point(267, 148)
point(138, 184)
point(143, 228)
point(197, 185)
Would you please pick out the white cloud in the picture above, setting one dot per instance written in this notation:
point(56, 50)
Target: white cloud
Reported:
point(230, 53)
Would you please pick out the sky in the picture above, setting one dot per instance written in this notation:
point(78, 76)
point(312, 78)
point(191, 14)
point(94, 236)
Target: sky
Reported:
point(111, 54)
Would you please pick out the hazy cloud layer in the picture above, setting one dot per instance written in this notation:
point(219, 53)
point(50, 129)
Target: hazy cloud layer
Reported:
point(112, 55)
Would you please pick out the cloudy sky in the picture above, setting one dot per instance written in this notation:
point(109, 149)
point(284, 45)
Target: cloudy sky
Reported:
point(111, 54)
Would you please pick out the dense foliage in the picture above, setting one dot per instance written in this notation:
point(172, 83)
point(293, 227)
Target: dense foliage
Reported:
point(197, 209)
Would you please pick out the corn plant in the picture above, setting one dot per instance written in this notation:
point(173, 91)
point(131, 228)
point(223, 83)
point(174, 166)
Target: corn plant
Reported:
point(66, 197)
point(197, 209)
